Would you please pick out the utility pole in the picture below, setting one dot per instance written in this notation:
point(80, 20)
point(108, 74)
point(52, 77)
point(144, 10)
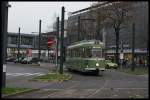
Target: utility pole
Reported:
point(18, 56)
point(78, 28)
point(117, 47)
point(39, 41)
point(61, 41)
point(48, 52)
point(104, 41)
point(133, 41)
point(147, 50)
point(57, 41)
point(4, 19)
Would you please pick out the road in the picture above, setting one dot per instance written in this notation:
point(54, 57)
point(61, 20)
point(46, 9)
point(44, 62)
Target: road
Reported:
point(113, 84)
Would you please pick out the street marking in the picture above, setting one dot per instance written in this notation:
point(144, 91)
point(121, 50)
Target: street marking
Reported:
point(24, 74)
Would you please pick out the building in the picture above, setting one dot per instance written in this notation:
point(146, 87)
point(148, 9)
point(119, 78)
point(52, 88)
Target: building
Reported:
point(87, 29)
point(27, 41)
point(31, 42)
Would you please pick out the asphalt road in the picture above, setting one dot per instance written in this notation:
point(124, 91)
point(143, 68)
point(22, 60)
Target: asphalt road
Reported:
point(113, 84)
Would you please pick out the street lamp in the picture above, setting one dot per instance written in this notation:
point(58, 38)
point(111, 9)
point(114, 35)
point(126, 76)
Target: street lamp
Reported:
point(39, 40)
point(4, 22)
point(18, 56)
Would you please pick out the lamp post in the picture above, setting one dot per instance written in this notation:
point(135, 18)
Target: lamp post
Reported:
point(133, 41)
point(4, 21)
point(35, 38)
point(39, 54)
point(18, 44)
point(62, 38)
point(39, 41)
point(57, 41)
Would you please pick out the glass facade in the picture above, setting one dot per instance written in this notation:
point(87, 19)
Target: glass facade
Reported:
point(27, 41)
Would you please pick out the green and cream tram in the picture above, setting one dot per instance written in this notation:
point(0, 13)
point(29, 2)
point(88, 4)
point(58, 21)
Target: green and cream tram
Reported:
point(86, 56)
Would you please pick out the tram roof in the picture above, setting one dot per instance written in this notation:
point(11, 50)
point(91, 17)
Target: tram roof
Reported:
point(86, 43)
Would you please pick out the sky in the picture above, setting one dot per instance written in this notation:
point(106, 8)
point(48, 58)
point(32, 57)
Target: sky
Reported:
point(26, 15)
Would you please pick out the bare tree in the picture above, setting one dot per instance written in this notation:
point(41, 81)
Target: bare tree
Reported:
point(118, 14)
point(99, 15)
point(115, 15)
point(53, 26)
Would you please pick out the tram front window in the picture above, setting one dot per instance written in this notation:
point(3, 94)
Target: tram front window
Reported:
point(96, 52)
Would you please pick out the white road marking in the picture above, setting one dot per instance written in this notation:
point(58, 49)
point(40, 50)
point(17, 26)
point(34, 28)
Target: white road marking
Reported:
point(24, 74)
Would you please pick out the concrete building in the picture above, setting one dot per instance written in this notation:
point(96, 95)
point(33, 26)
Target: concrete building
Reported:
point(86, 29)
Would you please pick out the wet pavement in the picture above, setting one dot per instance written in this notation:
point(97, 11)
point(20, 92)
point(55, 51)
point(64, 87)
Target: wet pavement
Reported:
point(113, 84)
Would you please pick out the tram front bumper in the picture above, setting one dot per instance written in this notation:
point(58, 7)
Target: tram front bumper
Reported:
point(94, 69)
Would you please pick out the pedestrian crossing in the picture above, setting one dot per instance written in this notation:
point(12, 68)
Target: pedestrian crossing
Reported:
point(24, 74)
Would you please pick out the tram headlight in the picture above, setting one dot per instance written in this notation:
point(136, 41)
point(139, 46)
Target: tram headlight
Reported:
point(87, 66)
point(97, 64)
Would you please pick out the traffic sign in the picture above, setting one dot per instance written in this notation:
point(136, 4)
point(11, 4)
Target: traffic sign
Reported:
point(121, 55)
point(50, 42)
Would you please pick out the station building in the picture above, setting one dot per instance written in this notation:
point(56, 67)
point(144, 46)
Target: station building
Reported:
point(28, 42)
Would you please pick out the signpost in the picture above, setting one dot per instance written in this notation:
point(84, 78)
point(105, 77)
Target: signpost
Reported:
point(62, 40)
point(121, 54)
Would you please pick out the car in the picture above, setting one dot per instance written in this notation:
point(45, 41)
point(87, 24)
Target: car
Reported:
point(111, 65)
point(26, 60)
point(10, 59)
point(34, 60)
point(18, 60)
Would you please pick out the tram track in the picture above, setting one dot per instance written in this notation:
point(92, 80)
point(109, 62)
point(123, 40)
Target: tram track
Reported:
point(98, 90)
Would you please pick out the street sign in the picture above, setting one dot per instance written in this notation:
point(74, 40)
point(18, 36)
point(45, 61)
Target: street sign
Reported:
point(121, 55)
point(50, 42)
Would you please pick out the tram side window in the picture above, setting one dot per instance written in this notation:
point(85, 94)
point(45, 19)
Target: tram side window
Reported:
point(78, 51)
point(83, 53)
point(86, 53)
point(68, 53)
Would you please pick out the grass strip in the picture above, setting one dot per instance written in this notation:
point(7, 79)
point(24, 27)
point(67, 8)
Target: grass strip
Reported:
point(52, 77)
point(8, 91)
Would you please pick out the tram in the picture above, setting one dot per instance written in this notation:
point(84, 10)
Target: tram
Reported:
point(87, 56)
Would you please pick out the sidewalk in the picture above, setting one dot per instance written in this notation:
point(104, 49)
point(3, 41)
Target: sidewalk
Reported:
point(45, 65)
point(51, 65)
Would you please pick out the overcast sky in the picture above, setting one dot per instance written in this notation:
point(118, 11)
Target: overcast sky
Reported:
point(27, 14)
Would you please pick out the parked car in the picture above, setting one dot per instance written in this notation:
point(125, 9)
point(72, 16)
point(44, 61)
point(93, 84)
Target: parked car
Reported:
point(34, 60)
point(10, 59)
point(18, 60)
point(26, 60)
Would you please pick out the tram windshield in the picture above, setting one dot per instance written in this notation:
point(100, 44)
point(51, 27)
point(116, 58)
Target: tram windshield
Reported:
point(97, 52)
point(92, 52)
point(86, 53)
